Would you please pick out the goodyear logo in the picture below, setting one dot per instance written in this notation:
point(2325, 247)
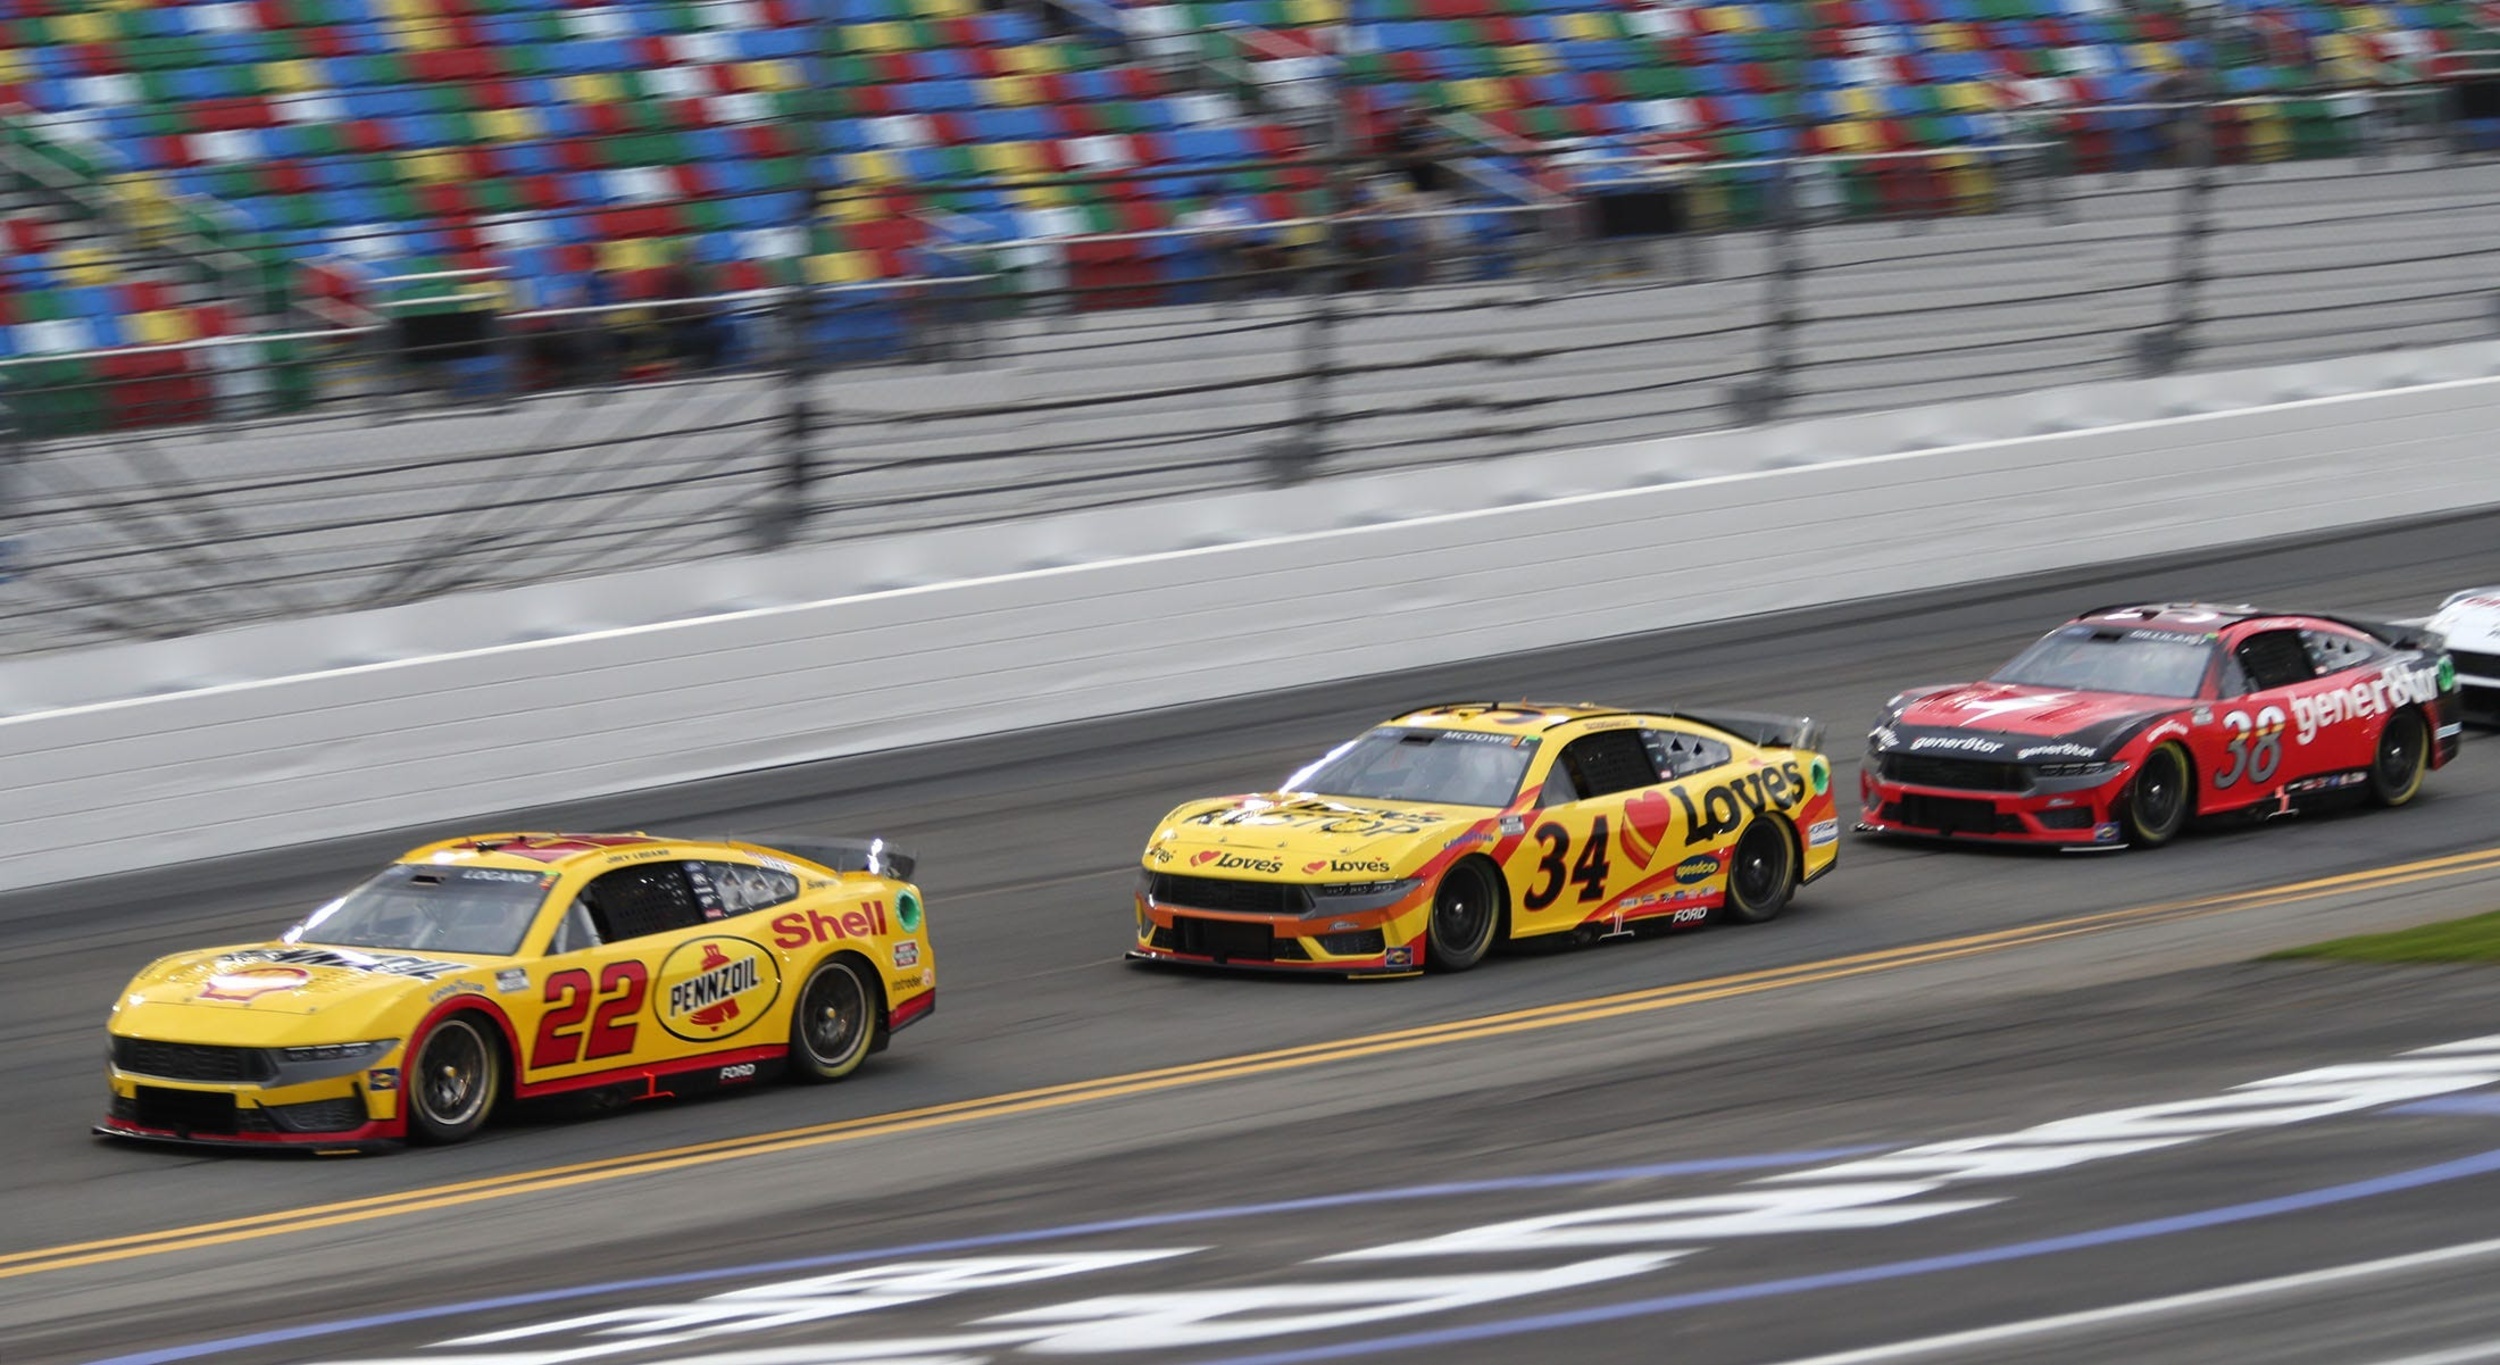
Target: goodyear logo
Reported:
point(1699, 868)
point(713, 988)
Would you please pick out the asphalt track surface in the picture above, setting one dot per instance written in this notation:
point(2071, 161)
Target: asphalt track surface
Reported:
point(1255, 1124)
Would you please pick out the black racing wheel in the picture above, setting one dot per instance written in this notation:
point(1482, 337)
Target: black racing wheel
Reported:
point(834, 1022)
point(2156, 805)
point(1761, 873)
point(2404, 754)
point(452, 1078)
point(1466, 911)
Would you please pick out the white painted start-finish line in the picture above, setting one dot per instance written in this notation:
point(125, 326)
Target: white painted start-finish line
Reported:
point(2091, 1318)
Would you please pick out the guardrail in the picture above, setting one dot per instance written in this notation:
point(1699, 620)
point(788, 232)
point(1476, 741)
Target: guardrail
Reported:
point(459, 737)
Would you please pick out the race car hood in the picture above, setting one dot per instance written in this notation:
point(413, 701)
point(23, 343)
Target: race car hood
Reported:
point(267, 992)
point(1294, 837)
point(2471, 621)
point(2016, 721)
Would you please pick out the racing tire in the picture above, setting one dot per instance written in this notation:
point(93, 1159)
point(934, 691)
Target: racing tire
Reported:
point(2404, 754)
point(2155, 807)
point(453, 1075)
point(1467, 909)
point(1761, 874)
point(833, 1027)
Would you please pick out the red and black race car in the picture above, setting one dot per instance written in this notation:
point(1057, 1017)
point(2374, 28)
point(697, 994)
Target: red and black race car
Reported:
point(2120, 726)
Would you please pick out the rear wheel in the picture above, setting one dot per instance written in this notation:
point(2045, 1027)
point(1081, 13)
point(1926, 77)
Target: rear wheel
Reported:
point(1761, 873)
point(2404, 752)
point(834, 1023)
point(452, 1076)
point(2155, 807)
point(1466, 910)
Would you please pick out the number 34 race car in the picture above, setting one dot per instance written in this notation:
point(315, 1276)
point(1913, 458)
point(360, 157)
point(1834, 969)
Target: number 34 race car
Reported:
point(1421, 843)
point(2122, 725)
point(519, 965)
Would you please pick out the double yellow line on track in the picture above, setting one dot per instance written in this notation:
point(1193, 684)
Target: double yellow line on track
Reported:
point(1589, 1010)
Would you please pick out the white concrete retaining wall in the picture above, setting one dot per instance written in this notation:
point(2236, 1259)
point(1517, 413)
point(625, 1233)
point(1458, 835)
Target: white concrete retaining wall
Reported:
point(113, 785)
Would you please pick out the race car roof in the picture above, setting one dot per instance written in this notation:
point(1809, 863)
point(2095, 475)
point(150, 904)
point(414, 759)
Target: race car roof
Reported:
point(537, 851)
point(2197, 617)
point(1508, 717)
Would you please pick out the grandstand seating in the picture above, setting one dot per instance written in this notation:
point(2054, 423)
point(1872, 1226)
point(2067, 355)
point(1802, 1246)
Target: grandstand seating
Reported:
point(545, 139)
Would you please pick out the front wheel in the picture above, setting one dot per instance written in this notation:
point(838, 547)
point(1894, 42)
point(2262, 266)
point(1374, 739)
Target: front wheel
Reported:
point(1466, 910)
point(2155, 807)
point(451, 1082)
point(1761, 873)
point(2404, 753)
point(834, 1022)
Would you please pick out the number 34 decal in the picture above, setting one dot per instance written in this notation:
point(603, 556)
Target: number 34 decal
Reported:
point(1555, 870)
point(2255, 746)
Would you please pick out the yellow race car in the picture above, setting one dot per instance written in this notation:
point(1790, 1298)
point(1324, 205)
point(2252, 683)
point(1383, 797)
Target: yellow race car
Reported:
point(1422, 843)
point(615, 966)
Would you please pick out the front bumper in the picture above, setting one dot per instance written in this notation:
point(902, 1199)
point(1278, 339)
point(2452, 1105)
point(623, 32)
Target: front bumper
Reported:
point(2064, 819)
point(1262, 943)
point(344, 1112)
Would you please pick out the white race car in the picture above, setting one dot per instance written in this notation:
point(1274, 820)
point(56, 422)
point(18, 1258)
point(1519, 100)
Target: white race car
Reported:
point(2470, 620)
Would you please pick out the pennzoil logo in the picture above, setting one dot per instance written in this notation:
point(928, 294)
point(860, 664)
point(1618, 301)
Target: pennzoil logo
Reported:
point(251, 983)
point(715, 987)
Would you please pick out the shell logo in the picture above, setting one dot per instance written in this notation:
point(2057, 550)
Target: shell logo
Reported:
point(714, 987)
point(250, 983)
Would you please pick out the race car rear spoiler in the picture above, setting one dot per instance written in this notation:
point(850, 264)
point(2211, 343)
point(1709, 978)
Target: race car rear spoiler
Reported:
point(1764, 729)
point(873, 856)
point(2401, 634)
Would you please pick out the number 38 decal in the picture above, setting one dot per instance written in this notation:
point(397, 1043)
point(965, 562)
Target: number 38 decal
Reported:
point(2256, 747)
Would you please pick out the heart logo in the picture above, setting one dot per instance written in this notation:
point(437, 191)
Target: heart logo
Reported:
point(1646, 820)
point(1320, 866)
point(1205, 855)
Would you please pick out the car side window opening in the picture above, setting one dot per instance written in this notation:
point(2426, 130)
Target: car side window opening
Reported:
point(1604, 763)
point(575, 932)
point(2274, 658)
point(1681, 755)
point(631, 902)
point(2333, 651)
point(741, 888)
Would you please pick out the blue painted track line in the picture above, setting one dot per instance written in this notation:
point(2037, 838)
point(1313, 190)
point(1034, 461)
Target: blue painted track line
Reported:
point(281, 1335)
point(2483, 1164)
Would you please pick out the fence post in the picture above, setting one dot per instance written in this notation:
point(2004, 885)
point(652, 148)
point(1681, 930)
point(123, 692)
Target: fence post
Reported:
point(2166, 348)
point(1760, 398)
point(1295, 457)
point(784, 511)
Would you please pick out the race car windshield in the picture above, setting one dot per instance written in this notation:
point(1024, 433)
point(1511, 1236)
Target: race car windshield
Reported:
point(1442, 767)
point(2152, 663)
point(482, 910)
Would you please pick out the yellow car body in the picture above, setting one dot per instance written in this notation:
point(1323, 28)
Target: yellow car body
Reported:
point(1548, 820)
point(520, 965)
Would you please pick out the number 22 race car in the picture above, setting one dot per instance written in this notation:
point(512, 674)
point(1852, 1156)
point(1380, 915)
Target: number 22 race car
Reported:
point(1423, 842)
point(519, 965)
point(2122, 725)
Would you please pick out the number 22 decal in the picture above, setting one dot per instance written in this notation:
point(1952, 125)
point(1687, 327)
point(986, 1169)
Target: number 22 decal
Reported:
point(569, 997)
point(1555, 868)
point(2256, 747)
